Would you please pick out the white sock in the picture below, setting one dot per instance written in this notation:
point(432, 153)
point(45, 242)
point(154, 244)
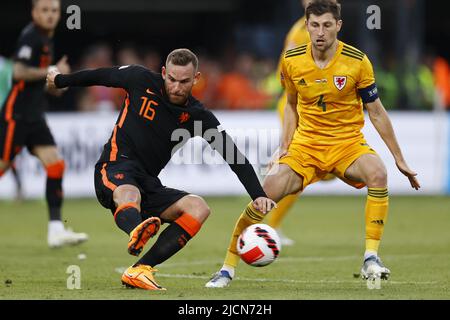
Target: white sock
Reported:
point(229, 269)
point(55, 226)
point(369, 253)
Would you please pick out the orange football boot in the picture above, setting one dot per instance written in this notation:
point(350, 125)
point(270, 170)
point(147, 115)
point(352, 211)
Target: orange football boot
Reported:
point(141, 234)
point(140, 276)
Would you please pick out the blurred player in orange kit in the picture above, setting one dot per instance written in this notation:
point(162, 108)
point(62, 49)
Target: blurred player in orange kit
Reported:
point(22, 120)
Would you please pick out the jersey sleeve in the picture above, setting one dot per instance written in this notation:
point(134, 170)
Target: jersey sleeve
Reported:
point(27, 50)
point(285, 79)
point(366, 85)
point(209, 121)
point(118, 77)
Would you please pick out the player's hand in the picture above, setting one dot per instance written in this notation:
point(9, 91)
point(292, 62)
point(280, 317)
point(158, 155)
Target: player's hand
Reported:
point(264, 205)
point(52, 73)
point(63, 66)
point(411, 175)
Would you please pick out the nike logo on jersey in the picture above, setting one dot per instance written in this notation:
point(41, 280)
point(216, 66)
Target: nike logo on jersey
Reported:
point(184, 117)
point(150, 92)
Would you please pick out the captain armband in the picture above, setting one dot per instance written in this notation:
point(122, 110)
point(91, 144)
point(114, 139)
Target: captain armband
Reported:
point(369, 94)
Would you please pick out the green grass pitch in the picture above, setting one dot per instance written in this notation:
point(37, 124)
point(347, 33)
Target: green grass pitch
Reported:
point(329, 235)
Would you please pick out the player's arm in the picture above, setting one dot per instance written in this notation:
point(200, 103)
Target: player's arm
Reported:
point(117, 77)
point(380, 120)
point(22, 71)
point(26, 73)
point(368, 92)
point(25, 56)
point(290, 122)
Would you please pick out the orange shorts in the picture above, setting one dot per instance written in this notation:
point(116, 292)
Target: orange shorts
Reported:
point(314, 162)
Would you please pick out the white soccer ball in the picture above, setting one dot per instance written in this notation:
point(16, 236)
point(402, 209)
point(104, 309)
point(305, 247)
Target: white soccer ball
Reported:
point(259, 245)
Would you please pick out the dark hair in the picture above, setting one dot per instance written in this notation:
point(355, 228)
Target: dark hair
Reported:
point(34, 2)
point(182, 57)
point(320, 7)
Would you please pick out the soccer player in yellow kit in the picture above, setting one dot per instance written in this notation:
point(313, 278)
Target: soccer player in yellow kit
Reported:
point(297, 35)
point(327, 82)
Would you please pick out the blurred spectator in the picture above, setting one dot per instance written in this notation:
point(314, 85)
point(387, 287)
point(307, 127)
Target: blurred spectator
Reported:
point(6, 72)
point(441, 71)
point(268, 80)
point(387, 82)
point(236, 89)
point(207, 86)
point(98, 98)
point(152, 60)
point(419, 85)
point(128, 55)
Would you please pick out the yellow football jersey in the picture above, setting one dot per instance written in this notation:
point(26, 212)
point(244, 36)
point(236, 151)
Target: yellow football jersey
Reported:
point(329, 101)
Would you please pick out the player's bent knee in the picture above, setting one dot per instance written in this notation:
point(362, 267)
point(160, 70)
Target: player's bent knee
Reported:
point(277, 191)
point(127, 193)
point(377, 178)
point(197, 207)
point(55, 170)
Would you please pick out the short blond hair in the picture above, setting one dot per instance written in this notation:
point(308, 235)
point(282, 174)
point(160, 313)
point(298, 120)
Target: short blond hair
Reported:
point(34, 2)
point(182, 57)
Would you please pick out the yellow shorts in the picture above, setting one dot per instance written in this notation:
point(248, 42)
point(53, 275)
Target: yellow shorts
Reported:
point(314, 162)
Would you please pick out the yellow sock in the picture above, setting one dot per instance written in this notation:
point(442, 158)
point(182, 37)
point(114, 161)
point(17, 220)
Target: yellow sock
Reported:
point(276, 215)
point(376, 215)
point(248, 217)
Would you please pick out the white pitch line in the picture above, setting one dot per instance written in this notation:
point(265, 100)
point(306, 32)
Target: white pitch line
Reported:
point(301, 259)
point(193, 276)
point(292, 259)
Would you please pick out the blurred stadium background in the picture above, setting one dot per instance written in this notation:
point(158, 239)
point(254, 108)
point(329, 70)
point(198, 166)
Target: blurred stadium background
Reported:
point(239, 43)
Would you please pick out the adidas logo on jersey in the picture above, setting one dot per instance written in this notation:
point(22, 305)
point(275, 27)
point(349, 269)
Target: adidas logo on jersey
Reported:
point(302, 82)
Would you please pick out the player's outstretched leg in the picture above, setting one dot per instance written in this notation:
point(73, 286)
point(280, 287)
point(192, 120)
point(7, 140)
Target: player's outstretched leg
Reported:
point(129, 219)
point(280, 181)
point(187, 216)
point(223, 277)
